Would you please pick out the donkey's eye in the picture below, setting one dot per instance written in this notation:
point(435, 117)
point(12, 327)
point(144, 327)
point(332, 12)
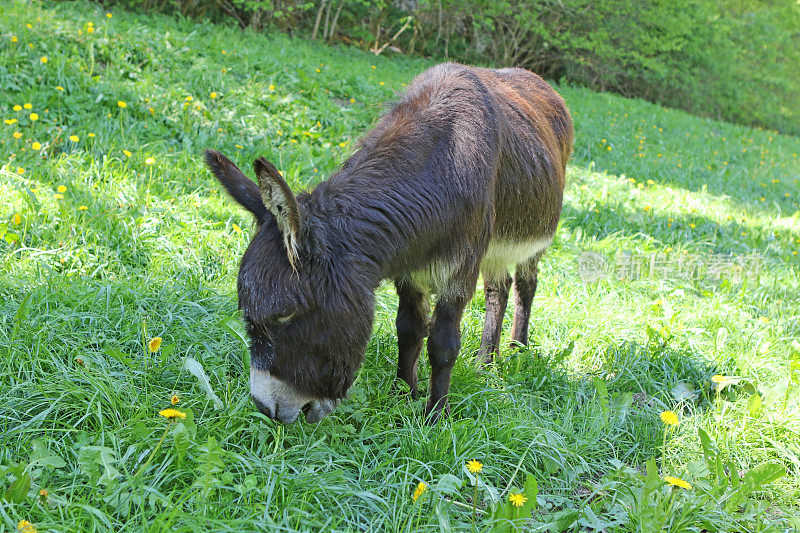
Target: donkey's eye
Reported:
point(284, 319)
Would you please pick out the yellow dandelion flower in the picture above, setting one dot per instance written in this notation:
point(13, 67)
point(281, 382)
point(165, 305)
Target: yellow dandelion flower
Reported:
point(89, 29)
point(16, 219)
point(188, 98)
point(58, 196)
point(17, 107)
point(149, 161)
point(109, 15)
point(43, 494)
point(34, 117)
point(59, 88)
point(669, 418)
point(29, 26)
point(17, 134)
point(127, 153)
point(271, 87)
point(90, 135)
point(14, 39)
point(74, 138)
point(381, 83)
point(718, 379)
point(62, 189)
point(155, 344)
point(36, 146)
point(352, 100)
point(27, 106)
point(172, 413)
point(10, 121)
point(213, 95)
point(82, 208)
point(518, 500)
point(43, 59)
point(677, 482)
point(20, 171)
point(26, 527)
point(422, 487)
point(122, 104)
point(175, 399)
point(475, 467)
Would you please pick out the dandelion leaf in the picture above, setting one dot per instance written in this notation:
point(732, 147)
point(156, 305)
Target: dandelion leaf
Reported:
point(448, 484)
point(20, 483)
point(196, 369)
point(211, 465)
point(682, 392)
point(531, 489)
point(763, 474)
point(182, 439)
point(42, 456)
point(97, 462)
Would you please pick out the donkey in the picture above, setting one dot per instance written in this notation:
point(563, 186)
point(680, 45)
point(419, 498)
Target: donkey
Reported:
point(463, 175)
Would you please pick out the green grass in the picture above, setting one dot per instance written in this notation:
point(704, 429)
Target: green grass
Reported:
point(154, 252)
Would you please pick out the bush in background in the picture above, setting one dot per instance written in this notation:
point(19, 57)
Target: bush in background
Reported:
point(735, 60)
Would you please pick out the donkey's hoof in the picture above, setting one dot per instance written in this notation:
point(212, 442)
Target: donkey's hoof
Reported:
point(401, 388)
point(438, 412)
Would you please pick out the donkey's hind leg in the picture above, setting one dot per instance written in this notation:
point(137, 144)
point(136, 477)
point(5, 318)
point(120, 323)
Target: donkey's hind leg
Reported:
point(496, 297)
point(412, 328)
point(525, 279)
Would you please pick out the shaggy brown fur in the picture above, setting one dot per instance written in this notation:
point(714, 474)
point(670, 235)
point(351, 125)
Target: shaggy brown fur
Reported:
point(465, 174)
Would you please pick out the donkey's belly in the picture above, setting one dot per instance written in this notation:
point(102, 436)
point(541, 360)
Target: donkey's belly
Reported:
point(502, 254)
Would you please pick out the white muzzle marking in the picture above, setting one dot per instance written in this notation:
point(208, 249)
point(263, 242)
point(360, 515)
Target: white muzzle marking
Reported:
point(278, 400)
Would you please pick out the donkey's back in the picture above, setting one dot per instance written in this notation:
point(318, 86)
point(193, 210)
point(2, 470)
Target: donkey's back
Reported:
point(483, 155)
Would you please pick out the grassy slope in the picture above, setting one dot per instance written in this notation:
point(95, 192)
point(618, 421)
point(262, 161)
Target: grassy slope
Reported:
point(155, 252)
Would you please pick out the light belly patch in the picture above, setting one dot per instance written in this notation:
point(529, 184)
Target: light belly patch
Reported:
point(503, 254)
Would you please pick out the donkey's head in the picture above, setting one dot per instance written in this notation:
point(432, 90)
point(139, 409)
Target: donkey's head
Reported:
point(307, 316)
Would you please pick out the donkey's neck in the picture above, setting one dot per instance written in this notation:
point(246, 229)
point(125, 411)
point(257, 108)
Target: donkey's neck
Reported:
point(383, 225)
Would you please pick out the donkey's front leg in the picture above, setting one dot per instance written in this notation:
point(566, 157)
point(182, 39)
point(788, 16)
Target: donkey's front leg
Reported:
point(444, 342)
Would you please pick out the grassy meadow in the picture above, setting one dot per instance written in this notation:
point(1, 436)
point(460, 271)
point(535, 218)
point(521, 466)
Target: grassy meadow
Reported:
point(113, 233)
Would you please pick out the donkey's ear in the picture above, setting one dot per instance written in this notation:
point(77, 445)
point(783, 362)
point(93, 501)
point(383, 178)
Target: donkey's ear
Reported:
point(280, 201)
point(241, 189)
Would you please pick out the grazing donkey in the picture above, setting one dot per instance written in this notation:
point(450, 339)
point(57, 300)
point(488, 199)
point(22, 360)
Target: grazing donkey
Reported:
point(465, 174)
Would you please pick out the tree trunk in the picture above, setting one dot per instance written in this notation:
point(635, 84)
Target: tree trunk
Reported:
point(335, 18)
point(318, 19)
